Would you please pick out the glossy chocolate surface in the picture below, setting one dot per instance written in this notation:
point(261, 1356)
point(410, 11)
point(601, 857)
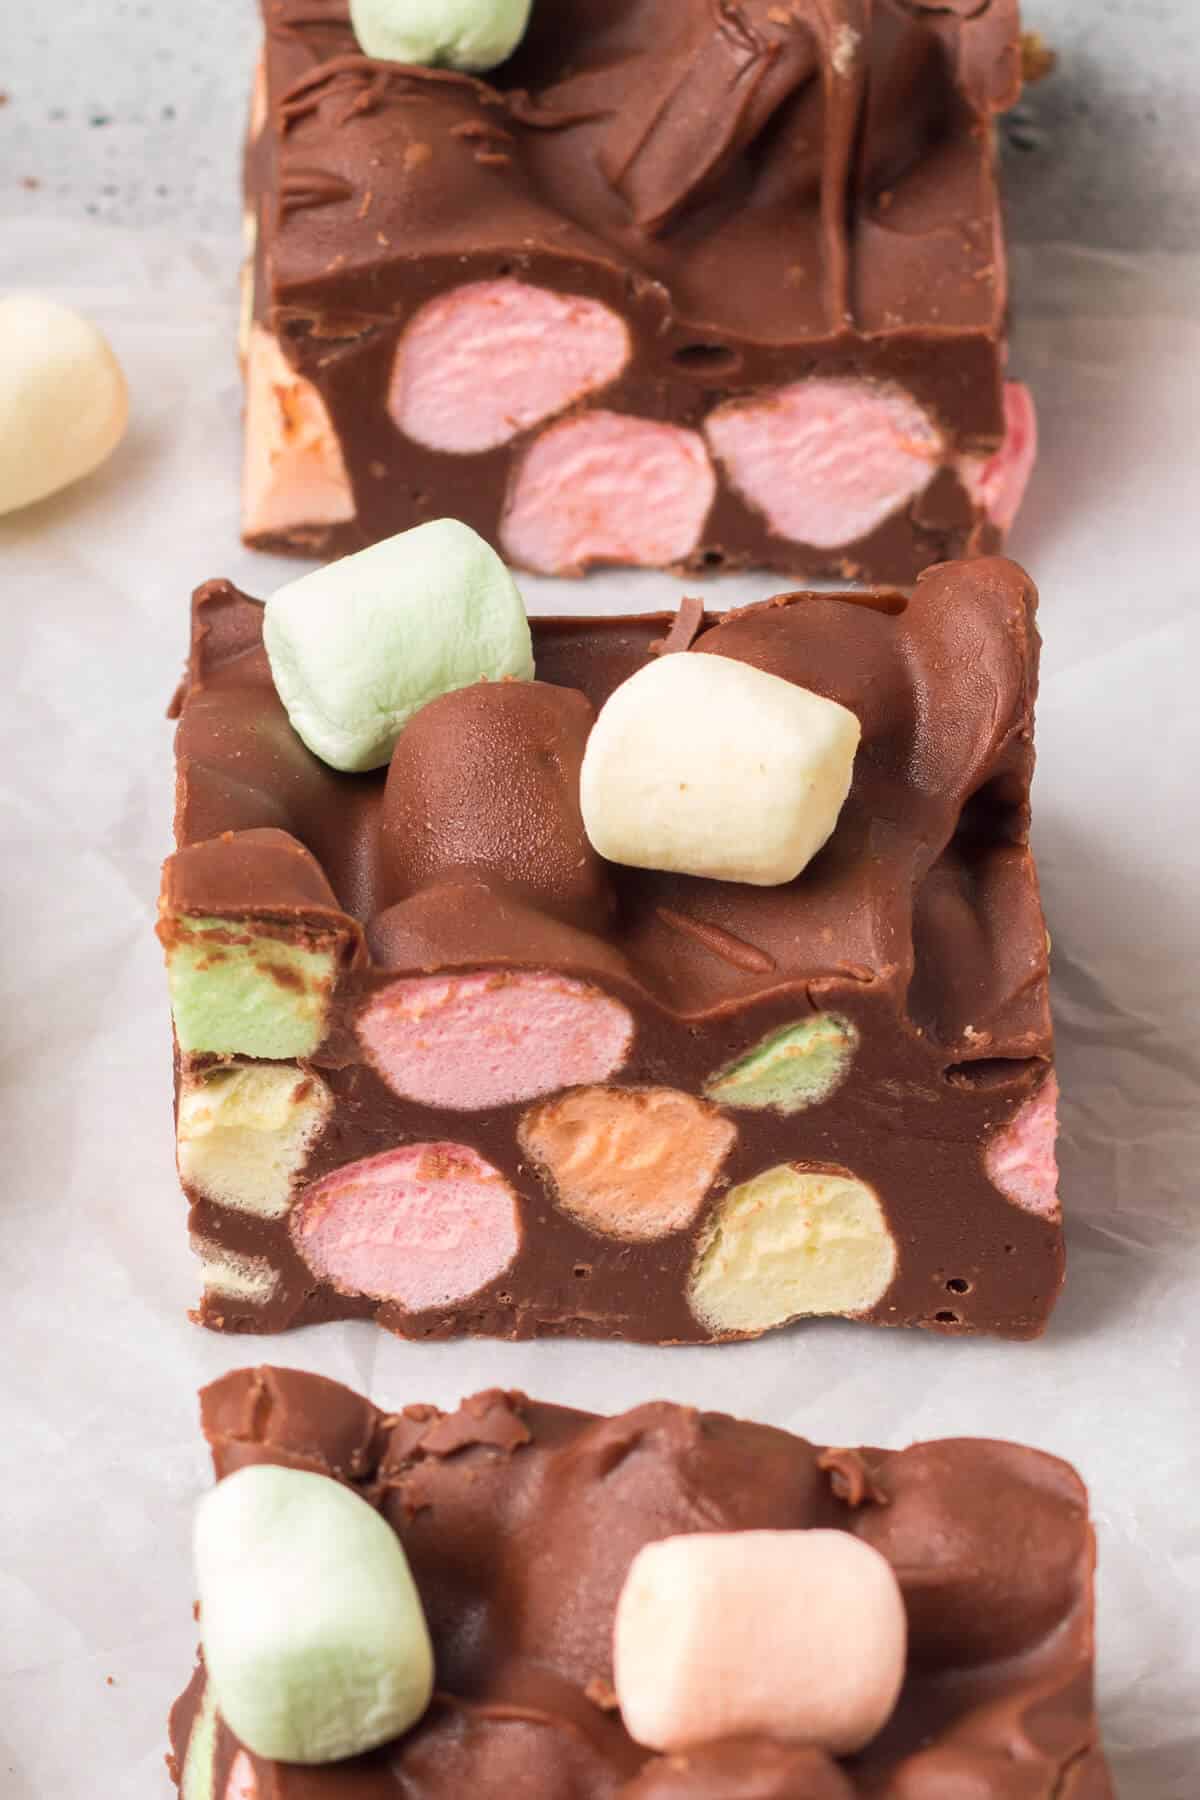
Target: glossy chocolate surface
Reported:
point(761, 193)
point(920, 923)
point(521, 1520)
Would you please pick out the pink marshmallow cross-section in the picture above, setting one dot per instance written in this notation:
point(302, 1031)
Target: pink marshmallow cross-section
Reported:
point(1021, 1159)
point(491, 359)
point(827, 461)
point(425, 1226)
point(998, 483)
point(469, 1042)
point(605, 487)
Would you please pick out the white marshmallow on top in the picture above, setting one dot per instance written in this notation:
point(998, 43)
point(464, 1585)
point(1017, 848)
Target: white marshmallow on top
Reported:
point(702, 765)
point(797, 1635)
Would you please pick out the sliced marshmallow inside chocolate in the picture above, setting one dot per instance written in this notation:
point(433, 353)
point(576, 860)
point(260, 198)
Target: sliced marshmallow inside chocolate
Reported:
point(425, 1226)
point(294, 476)
point(475, 1041)
point(1021, 1159)
point(244, 1133)
point(229, 1275)
point(790, 1069)
point(608, 488)
point(826, 462)
point(797, 1635)
point(792, 1243)
point(631, 1163)
point(243, 1782)
point(315, 1639)
point(486, 361)
point(702, 765)
point(998, 483)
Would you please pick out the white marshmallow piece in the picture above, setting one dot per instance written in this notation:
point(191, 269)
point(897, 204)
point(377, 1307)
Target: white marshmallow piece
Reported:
point(797, 1635)
point(63, 400)
point(457, 34)
point(314, 1636)
point(358, 647)
point(700, 765)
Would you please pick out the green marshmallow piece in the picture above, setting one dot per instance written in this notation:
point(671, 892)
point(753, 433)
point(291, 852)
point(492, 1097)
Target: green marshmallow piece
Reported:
point(454, 34)
point(360, 646)
point(314, 1636)
point(199, 1763)
point(237, 991)
point(791, 1069)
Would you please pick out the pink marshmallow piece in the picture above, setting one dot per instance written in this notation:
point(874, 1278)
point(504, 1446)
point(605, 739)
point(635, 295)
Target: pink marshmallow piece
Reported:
point(827, 461)
point(468, 1042)
point(425, 1226)
point(242, 1783)
point(998, 483)
point(294, 475)
point(484, 362)
point(1020, 1158)
point(799, 1636)
point(609, 488)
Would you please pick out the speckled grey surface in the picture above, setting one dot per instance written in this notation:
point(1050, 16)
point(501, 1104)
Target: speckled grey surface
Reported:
point(130, 111)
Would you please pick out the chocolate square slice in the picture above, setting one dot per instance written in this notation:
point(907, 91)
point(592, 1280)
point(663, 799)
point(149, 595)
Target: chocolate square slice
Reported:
point(678, 284)
point(442, 1065)
point(520, 1522)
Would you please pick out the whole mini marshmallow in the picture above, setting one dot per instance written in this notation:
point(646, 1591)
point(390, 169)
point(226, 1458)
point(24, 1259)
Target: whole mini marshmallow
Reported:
point(701, 765)
point(359, 646)
point(797, 1635)
point(314, 1636)
point(63, 400)
point(453, 34)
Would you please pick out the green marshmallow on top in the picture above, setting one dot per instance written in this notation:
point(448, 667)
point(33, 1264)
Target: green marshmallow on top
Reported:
point(455, 34)
point(314, 1636)
point(360, 646)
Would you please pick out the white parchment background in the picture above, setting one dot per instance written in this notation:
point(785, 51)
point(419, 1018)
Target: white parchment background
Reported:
point(99, 1454)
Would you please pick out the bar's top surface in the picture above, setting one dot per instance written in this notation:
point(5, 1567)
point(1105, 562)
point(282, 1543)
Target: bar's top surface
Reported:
point(926, 895)
point(520, 1522)
point(833, 152)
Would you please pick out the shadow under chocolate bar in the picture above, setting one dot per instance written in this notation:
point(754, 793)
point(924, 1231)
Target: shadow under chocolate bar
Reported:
point(678, 284)
point(442, 1065)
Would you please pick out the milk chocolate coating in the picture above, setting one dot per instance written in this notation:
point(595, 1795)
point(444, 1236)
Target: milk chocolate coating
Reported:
point(520, 1522)
point(485, 782)
point(919, 922)
point(762, 193)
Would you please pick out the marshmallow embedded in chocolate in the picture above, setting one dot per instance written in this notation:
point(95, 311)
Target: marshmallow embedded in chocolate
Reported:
point(790, 1069)
point(255, 943)
point(314, 1639)
point(603, 487)
point(485, 780)
point(792, 1243)
point(827, 462)
point(294, 476)
point(358, 647)
point(473, 371)
point(456, 34)
point(245, 1131)
point(493, 1038)
point(631, 1163)
point(423, 1227)
point(797, 1635)
point(706, 766)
